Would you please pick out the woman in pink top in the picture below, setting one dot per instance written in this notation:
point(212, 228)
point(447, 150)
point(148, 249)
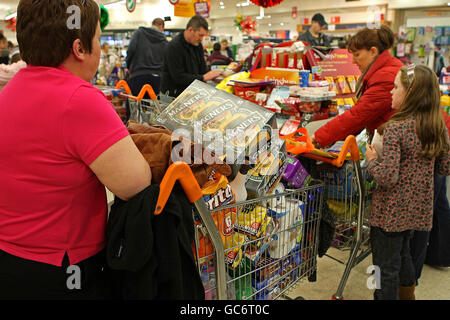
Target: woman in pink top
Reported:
point(61, 143)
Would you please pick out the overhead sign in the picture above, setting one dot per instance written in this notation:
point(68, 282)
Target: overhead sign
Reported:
point(184, 8)
point(202, 9)
point(190, 8)
point(131, 5)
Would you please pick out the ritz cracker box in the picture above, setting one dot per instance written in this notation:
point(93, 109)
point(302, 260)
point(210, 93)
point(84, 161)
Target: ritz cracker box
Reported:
point(230, 127)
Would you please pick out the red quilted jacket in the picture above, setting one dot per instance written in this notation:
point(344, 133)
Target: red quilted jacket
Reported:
point(372, 109)
point(447, 120)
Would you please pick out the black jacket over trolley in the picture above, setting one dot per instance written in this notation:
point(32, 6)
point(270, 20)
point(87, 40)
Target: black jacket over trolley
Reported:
point(183, 63)
point(152, 255)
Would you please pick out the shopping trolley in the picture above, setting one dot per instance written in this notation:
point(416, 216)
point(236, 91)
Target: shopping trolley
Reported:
point(347, 193)
point(142, 110)
point(252, 250)
point(114, 95)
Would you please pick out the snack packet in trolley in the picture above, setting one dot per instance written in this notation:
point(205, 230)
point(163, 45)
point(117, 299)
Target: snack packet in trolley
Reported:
point(217, 192)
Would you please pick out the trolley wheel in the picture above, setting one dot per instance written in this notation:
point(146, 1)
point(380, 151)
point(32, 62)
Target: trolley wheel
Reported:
point(333, 297)
point(299, 298)
point(313, 276)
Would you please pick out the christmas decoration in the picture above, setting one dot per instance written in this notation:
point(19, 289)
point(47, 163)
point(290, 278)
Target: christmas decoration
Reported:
point(104, 17)
point(11, 23)
point(266, 3)
point(237, 22)
point(248, 25)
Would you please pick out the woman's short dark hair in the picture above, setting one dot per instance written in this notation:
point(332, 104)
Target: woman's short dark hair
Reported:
point(216, 46)
point(382, 39)
point(44, 33)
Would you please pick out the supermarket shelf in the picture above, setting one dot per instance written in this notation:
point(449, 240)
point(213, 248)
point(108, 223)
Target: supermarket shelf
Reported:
point(340, 27)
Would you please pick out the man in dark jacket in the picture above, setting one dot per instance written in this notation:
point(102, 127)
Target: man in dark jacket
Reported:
point(184, 59)
point(313, 35)
point(145, 57)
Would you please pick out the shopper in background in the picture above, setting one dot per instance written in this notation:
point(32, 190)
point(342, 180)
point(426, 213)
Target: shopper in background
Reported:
point(217, 57)
point(108, 61)
point(184, 59)
point(61, 143)
point(4, 51)
point(225, 49)
point(145, 57)
point(8, 71)
point(313, 35)
point(370, 49)
point(415, 143)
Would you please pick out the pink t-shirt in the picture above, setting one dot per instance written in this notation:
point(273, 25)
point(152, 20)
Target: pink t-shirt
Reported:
point(53, 125)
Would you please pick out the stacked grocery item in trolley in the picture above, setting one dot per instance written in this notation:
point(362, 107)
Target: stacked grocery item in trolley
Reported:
point(266, 216)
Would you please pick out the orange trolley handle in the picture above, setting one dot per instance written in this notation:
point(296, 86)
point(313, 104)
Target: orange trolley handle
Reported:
point(123, 84)
point(303, 145)
point(178, 171)
point(145, 89)
point(298, 144)
point(349, 144)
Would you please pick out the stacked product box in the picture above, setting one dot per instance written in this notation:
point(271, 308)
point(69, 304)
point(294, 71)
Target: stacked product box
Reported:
point(230, 127)
point(338, 182)
point(269, 168)
point(295, 174)
point(274, 275)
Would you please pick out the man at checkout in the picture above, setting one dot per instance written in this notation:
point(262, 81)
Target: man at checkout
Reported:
point(313, 35)
point(184, 59)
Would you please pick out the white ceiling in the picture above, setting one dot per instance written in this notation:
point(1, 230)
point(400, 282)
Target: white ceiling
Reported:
point(230, 8)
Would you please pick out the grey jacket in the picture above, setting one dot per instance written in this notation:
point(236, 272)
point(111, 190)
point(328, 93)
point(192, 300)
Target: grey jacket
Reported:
point(321, 40)
point(145, 54)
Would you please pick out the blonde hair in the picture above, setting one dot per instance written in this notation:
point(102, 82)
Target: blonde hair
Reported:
point(422, 103)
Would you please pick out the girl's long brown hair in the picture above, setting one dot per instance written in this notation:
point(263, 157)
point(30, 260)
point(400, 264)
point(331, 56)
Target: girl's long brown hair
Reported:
point(422, 103)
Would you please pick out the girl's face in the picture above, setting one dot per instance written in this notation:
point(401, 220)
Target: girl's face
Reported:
point(398, 92)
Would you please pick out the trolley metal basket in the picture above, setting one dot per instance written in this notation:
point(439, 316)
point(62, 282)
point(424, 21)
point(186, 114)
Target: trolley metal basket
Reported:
point(347, 193)
point(117, 99)
point(252, 250)
point(140, 109)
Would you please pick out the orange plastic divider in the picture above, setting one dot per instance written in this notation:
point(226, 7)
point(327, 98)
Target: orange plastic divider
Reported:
point(298, 144)
point(123, 84)
point(178, 171)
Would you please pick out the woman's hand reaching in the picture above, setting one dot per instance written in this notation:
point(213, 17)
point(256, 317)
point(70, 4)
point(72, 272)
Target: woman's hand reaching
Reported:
point(315, 143)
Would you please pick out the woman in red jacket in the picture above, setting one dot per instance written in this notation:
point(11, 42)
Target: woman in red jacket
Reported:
point(370, 49)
